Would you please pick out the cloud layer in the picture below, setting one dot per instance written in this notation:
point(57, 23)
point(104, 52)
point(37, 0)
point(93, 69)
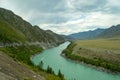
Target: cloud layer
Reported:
point(67, 16)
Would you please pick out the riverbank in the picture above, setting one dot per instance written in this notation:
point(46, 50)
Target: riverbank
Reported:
point(70, 69)
point(45, 48)
point(90, 65)
point(15, 70)
point(92, 58)
point(17, 63)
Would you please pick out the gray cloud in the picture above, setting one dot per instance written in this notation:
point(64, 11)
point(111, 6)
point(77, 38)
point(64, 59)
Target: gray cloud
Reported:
point(40, 11)
point(44, 6)
point(88, 5)
point(48, 18)
point(66, 14)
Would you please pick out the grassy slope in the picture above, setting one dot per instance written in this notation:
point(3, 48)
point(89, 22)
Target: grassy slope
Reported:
point(9, 34)
point(23, 53)
point(14, 29)
point(99, 52)
point(18, 71)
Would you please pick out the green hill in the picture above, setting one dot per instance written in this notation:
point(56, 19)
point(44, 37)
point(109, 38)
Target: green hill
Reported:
point(29, 40)
point(14, 29)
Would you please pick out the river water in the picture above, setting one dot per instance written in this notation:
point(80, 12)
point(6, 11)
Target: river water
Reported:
point(70, 69)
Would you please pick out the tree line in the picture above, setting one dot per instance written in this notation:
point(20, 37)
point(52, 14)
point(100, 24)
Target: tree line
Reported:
point(50, 70)
point(115, 67)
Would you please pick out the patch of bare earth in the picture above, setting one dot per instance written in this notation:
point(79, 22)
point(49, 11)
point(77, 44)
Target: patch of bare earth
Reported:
point(92, 53)
point(12, 70)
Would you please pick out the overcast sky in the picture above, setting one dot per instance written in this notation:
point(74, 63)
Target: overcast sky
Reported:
point(67, 16)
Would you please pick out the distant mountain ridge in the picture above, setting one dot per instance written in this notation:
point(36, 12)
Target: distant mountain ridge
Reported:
point(14, 29)
point(111, 32)
point(87, 34)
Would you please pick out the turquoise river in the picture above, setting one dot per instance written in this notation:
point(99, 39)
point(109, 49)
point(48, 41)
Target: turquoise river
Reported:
point(70, 69)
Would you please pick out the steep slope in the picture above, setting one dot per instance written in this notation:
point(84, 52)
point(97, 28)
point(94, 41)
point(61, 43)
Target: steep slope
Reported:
point(9, 34)
point(14, 29)
point(113, 31)
point(87, 34)
point(19, 40)
point(11, 70)
point(57, 37)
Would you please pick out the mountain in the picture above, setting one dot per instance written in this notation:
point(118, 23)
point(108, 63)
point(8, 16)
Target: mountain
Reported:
point(19, 41)
point(113, 31)
point(14, 29)
point(87, 34)
point(57, 37)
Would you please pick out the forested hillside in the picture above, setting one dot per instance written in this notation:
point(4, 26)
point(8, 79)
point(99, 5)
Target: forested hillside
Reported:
point(14, 29)
point(19, 41)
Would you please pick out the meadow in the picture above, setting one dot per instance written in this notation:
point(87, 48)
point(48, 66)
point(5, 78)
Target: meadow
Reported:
point(99, 52)
point(108, 44)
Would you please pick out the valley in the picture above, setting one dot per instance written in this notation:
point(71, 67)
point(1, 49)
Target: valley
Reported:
point(32, 52)
point(72, 69)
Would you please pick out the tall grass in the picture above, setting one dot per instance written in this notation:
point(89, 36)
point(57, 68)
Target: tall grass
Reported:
point(100, 52)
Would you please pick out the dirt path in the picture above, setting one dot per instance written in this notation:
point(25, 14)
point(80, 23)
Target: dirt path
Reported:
point(11, 70)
